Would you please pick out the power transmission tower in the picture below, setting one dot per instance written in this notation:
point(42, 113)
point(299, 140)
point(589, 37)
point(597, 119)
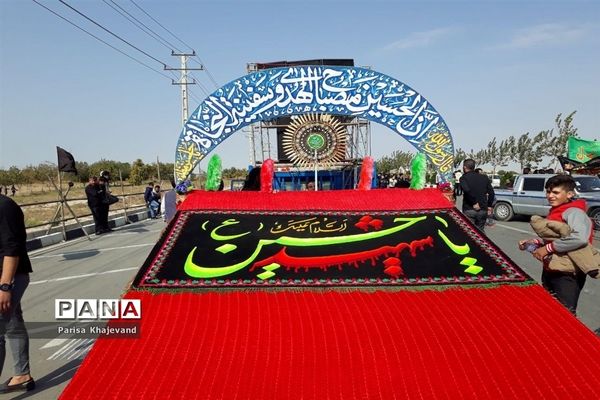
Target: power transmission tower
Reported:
point(183, 82)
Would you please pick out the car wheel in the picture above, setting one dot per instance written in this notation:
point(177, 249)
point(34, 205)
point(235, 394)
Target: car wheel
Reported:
point(595, 217)
point(503, 212)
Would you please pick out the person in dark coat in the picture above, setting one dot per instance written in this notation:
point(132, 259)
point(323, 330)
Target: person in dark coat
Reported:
point(14, 279)
point(148, 193)
point(94, 202)
point(478, 194)
point(103, 192)
point(154, 203)
point(252, 182)
point(95, 194)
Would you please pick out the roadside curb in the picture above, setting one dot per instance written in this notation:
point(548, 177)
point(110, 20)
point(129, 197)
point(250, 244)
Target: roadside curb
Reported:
point(77, 232)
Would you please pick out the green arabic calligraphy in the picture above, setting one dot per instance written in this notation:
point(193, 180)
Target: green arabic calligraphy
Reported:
point(197, 271)
point(461, 250)
point(458, 249)
point(215, 236)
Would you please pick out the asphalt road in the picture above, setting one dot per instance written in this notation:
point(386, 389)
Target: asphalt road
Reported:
point(103, 268)
point(80, 269)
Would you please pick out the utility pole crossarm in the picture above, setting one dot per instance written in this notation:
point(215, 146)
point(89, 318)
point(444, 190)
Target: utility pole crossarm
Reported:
point(193, 82)
point(183, 69)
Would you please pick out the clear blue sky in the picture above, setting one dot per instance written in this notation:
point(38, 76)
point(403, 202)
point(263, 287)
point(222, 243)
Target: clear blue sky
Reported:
point(491, 68)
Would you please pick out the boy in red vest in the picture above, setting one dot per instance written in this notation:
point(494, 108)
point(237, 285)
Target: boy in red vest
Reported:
point(564, 285)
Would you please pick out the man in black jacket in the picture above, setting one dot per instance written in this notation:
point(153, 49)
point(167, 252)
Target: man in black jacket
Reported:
point(95, 197)
point(104, 194)
point(14, 279)
point(478, 194)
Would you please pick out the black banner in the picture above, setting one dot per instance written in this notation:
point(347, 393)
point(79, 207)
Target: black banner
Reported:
point(66, 162)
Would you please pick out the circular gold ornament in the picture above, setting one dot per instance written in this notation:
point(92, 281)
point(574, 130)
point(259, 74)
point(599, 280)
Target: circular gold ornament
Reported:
point(311, 136)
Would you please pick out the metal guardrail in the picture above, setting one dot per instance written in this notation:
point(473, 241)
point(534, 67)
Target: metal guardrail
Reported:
point(125, 206)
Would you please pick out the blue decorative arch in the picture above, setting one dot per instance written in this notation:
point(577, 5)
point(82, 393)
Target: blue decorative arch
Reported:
point(276, 92)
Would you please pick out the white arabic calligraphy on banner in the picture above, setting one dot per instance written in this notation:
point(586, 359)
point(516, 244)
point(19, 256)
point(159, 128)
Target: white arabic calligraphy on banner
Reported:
point(271, 93)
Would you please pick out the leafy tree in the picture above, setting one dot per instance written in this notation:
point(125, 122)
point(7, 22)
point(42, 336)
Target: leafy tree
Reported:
point(509, 147)
point(540, 145)
point(498, 154)
point(45, 170)
point(557, 145)
point(83, 171)
point(232, 173)
point(105, 165)
point(524, 154)
point(124, 169)
point(397, 160)
point(28, 175)
point(506, 177)
point(13, 176)
point(138, 172)
point(151, 172)
point(166, 171)
point(459, 156)
point(481, 157)
point(4, 179)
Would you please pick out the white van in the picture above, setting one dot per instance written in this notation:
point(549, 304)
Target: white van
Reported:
point(495, 178)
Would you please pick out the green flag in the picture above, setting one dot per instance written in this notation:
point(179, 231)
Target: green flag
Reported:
point(582, 150)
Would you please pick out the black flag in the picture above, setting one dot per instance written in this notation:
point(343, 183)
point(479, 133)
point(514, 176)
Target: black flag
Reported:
point(66, 162)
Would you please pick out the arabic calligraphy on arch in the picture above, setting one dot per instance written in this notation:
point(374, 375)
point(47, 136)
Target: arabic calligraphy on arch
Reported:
point(270, 93)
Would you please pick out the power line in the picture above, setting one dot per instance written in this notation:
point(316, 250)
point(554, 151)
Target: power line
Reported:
point(114, 7)
point(159, 24)
point(207, 71)
point(201, 86)
point(182, 42)
point(144, 28)
point(97, 38)
point(172, 73)
point(114, 34)
point(193, 96)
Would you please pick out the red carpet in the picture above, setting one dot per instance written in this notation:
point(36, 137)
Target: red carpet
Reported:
point(508, 342)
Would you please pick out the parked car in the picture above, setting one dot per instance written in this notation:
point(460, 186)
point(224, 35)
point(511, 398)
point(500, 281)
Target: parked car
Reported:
point(528, 197)
point(495, 179)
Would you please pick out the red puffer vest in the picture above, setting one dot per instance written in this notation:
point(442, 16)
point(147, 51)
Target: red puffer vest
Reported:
point(556, 213)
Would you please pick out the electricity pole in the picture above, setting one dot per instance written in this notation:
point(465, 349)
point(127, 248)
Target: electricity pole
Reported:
point(183, 82)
